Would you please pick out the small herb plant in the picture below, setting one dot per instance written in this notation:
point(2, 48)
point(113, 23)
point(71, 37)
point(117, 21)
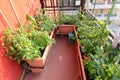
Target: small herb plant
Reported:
point(26, 42)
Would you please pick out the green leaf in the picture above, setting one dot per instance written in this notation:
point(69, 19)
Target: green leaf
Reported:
point(30, 18)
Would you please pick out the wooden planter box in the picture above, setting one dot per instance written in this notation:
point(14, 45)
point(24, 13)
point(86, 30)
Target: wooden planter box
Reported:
point(65, 29)
point(38, 64)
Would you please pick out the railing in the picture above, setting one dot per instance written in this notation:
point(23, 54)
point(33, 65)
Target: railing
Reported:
point(62, 4)
point(111, 35)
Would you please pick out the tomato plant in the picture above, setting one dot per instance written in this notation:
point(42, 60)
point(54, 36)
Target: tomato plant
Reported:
point(103, 58)
point(42, 21)
point(26, 42)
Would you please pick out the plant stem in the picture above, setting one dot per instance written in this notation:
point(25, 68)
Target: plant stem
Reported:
point(94, 7)
point(111, 11)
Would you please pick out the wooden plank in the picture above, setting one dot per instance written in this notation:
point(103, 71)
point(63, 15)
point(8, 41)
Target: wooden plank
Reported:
point(62, 3)
point(45, 3)
point(69, 2)
point(51, 2)
point(56, 2)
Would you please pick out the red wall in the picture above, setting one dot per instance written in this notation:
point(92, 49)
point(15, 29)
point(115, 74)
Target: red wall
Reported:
point(12, 12)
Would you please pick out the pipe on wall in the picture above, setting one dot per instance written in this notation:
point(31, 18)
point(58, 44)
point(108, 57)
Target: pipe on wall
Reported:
point(5, 19)
point(14, 10)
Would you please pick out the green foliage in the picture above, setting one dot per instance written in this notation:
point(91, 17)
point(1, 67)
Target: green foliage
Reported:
point(104, 60)
point(44, 22)
point(100, 68)
point(30, 18)
point(92, 37)
point(26, 42)
point(29, 42)
point(73, 19)
point(67, 19)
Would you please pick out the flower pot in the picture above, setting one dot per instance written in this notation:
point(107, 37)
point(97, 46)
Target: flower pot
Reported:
point(38, 64)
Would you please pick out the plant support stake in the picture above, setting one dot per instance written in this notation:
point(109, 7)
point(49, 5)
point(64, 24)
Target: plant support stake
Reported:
point(111, 11)
point(94, 7)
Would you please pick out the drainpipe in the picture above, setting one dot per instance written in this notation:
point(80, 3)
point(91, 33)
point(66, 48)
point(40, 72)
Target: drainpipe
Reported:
point(6, 20)
point(14, 10)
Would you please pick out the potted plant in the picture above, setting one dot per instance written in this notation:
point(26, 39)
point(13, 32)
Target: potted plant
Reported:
point(43, 21)
point(101, 60)
point(67, 19)
point(29, 43)
point(104, 60)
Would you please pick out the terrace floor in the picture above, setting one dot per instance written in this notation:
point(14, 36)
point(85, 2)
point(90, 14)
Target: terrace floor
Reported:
point(62, 63)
